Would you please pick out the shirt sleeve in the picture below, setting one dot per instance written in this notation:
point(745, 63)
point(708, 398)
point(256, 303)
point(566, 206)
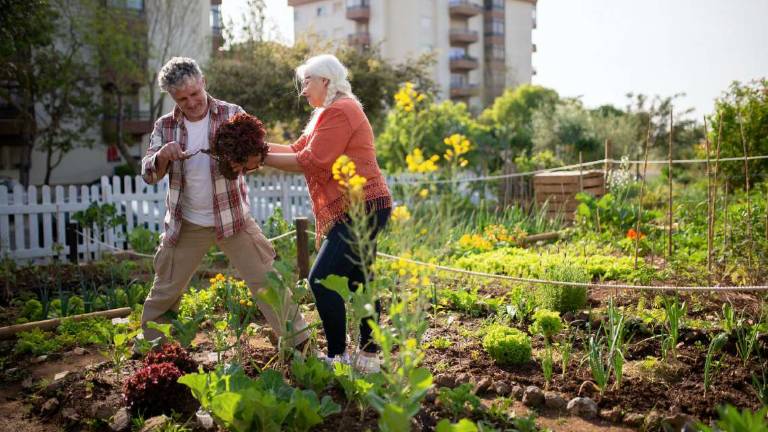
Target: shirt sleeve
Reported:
point(299, 144)
point(329, 141)
point(149, 170)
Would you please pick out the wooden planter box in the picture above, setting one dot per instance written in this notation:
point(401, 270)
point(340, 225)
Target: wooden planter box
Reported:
point(558, 189)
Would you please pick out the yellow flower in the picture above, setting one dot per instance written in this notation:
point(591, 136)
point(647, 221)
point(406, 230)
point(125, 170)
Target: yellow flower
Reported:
point(423, 231)
point(424, 193)
point(425, 281)
point(250, 303)
point(418, 164)
point(402, 272)
point(463, 163)
point(414, 280)
point(459, 145)
point(401, 214)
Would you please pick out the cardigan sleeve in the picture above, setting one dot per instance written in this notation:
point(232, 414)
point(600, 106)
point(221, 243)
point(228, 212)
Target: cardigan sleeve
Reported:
point(329, 141)
point(299, 144)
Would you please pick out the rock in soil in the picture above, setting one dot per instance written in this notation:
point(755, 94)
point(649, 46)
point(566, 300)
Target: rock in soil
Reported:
point(634, 419)
point(102, 410)
point(517, 392)
point(70, 415)
point(502, 389)
point(154, 423)
point(533, 397)
point(613, 415)
point(445, 380)
point(49, 407)
point(462, 378)
point(582, 407)
point(554, 401)
point(484, 385)
point(652, 421)
point(121, 422)
point(678, 421)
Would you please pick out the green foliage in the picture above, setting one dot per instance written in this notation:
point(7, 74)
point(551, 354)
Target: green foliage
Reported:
point(33, 310)
point(539, 161)
point(597, 364)
point(143, 240)
point(547, 365)
point(86, 331)
point(355, 388)
point(36, 342)
point(464, 425)
point(467, 302)
point(311, 373)
point(715, 345)
point(546, 323)
point(458, 400)
point(744, 107)
point(675, 313)
point(103, 216)
point(267, 403)
point(734, 420)
point(507, 345)
point(564, 298)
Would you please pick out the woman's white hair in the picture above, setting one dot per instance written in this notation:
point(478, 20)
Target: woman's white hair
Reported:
point(329, 67)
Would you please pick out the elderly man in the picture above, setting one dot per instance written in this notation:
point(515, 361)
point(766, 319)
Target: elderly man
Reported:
point(203, 207)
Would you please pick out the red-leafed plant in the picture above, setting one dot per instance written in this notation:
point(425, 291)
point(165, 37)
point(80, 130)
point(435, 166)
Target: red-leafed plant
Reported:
point(172, 353)
point(153, 389)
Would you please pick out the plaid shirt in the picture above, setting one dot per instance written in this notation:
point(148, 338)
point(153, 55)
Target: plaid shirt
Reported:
point(230, 197)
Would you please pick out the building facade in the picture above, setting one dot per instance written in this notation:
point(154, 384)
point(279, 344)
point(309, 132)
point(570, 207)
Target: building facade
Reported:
point(197, 35)
point(481, 46)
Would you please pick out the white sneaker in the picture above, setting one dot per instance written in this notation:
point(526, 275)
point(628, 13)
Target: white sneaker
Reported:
point(367, 364)
point(344, 359)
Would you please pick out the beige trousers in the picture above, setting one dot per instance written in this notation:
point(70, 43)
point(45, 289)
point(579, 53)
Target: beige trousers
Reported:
point(248, 251)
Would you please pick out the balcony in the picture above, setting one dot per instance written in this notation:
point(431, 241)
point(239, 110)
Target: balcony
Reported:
point(360, 12)
point(464, 90)
point(463, 36)
point(134, 123)
point(464, 8)
point(463, 63)
point(359, 39)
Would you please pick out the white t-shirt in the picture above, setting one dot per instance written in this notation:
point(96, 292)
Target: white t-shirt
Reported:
point(197, 198)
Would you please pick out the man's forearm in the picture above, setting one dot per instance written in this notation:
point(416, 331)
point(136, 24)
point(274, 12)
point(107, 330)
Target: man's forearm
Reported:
point(279, 148)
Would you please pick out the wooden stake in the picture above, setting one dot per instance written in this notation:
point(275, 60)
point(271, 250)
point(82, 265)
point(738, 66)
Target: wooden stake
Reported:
point(726, 230)
point(302, 246)
point(709, 207)
point(581, 174)
point(717, 172)
point(642, 191)
point(669, 208)
point(749, 204)
point(607, 156)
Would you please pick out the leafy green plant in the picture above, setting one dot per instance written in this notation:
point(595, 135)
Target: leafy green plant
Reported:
point(458, 400)
point(242, 404)
point(734, 420)
point(355, 389)
point(675, 313)
point(563, 298)
point(118, 349)
point(616, 334)
point(467, 302)
point(600, 371)
point(507, 345)
point(566, 348)
point(311, 373)
point(760, 384)
point(440, 343)
point(36, 342)
point(464, 425)
point(715, 345)
point(143, 240)
point(546, 323)
point(147, 390)
point(547, 364)
point(746, 341)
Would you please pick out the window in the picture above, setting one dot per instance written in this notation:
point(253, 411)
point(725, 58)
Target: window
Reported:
point(495, 27)
point(494, 4)
point(336, 6)
point(496, 51)
point(357, 3)
point(10, 157)
point(217, 23)
point(457, 53)
point(458, 80)
point(136, 5)
point(322, 11)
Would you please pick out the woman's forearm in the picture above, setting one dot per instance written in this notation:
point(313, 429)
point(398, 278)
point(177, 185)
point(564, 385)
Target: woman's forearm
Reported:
point(279, 148)
point(283, 161)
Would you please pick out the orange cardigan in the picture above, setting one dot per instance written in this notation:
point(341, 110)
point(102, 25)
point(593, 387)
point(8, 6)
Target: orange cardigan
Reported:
point(342, 128)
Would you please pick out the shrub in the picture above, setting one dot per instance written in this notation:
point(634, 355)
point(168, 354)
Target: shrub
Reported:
point(507, 345)
point(151, 389)
point(564, 298)
point(546, 323)
point(172, 353)
point(33, 310)
point(36, 342)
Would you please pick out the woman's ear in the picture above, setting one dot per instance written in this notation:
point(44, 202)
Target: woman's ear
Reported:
point(326, 82)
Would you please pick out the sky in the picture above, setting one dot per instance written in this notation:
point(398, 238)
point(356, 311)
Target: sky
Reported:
point(602, 49)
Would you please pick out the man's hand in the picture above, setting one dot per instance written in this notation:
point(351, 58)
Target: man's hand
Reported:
point(170, 152)
point(253, 163)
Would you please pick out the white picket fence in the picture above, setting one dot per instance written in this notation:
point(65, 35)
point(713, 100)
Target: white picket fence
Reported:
point(33, 219)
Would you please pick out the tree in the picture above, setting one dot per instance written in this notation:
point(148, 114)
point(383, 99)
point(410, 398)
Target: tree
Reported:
point(122, 62)
point(742, 107)
point(46, 78)
point(511, 115)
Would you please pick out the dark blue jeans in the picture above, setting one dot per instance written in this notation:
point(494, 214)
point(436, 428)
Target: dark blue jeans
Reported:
point(336, 256)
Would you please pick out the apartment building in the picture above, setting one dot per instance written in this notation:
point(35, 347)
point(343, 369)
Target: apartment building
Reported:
point(481, 46)
point(197, 37)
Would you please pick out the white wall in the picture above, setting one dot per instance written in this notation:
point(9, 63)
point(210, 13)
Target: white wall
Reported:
point(518, 27)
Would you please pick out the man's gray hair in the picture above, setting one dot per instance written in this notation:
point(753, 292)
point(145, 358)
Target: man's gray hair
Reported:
point(177, 71)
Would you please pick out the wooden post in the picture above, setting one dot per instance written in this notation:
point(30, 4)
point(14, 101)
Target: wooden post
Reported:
point(581, 173)
point(302, 246)
point(746, 189)
point(642, 190)
point(726, 243)
point(715, 187)
point(606, 164)
point(709, 206)
point(71, 238)
point(669, 174)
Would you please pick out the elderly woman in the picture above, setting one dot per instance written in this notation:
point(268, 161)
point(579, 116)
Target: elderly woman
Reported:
point(338, 126)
